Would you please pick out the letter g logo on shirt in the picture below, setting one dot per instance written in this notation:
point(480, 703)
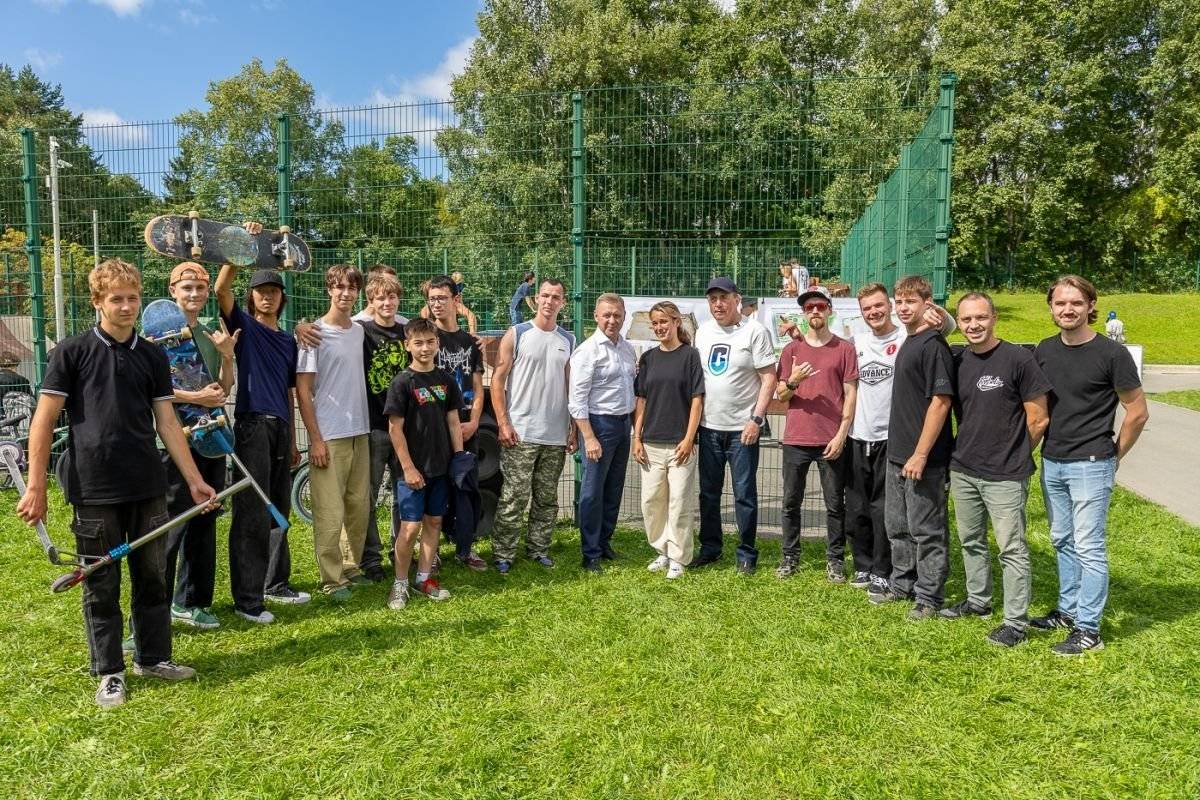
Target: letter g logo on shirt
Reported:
point(718, 359)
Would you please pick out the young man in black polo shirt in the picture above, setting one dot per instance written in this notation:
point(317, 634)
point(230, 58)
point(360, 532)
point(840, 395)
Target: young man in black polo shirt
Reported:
point(918, 453)
point(116, 389)
point(1090, 374)
point(260, 562)
point(1001, 409)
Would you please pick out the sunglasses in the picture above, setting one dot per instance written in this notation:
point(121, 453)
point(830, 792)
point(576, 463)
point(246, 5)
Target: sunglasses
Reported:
point(816, 306)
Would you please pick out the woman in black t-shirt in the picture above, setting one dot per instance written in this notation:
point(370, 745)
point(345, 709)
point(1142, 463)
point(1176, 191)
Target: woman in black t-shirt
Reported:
point(670, 396)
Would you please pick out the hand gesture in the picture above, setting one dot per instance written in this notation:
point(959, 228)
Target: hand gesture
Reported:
point(223, 341)
point(801, 371)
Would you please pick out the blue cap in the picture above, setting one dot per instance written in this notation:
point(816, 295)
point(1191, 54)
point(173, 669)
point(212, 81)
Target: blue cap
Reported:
point(722, 284)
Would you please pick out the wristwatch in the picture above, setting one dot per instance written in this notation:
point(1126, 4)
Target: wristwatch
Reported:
point(791, 386)
point(757, 420)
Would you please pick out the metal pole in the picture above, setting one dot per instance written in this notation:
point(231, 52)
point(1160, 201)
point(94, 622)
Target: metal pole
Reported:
point(633, 269)
point(283, 170)
point(60, 322)
point(33, 251)
point(579, 222)
point(941, 249)
point(95, 238)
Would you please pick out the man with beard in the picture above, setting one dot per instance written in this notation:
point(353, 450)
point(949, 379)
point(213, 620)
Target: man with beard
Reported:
point(1089, 373)
point(818, 379)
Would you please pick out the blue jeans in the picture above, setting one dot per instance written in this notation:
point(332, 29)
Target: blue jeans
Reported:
point(1077, 494)
point(603, 483)
point(718, 448)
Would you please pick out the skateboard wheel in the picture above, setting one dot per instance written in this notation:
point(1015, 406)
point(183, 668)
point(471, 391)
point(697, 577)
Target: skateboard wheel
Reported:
point(288, 263)
point(285, 229)
point(193, 215)
point(196, 251)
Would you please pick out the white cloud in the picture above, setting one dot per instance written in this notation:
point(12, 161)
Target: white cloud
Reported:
point(189, 17)
point(115, 128)
point(42, 60)
point(432, 85)
point(122, 8)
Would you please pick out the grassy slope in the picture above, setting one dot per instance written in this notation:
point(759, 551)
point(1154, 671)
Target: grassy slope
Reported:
point(552, 684)
point(1187, 398)
point(1166, 324)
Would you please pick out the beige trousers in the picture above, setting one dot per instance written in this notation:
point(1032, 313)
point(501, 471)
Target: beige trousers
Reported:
point(669, 501)
point(341, 504)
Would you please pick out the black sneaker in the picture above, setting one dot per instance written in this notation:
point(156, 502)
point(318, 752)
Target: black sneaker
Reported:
point(704, 560)
point(375, 574)
point(787, 568)
point(881, 592)
point(965, 608)
point(1055, 619)
point(746, 567)
point(836, 572)
point(1006, 636)
point(861, 580)
point(921, 612)
point(1078, 642)
point(592, 565)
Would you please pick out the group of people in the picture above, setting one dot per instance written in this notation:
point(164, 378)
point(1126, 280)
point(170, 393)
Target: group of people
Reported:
point(376, 392)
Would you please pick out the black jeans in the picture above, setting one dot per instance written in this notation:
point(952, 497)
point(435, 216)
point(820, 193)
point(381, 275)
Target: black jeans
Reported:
point(192, 546)
point(99, 529)
point(916, 523)
point(718, 448)
point(796, 460)
point(865, 503)
point(259, 559)
point(383, 457)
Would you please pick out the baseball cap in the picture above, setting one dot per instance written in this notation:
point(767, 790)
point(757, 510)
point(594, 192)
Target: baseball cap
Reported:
point(815, 293)
point(188, 271)
point(265, 277)
point(722, 285)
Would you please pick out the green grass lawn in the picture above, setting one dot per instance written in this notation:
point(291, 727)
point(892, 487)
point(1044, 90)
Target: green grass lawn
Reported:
point(552, 684)
point(1187, 398)
point(1165, 324)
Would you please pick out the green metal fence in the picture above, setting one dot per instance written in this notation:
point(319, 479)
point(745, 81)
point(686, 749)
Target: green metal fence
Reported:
point(644, 190)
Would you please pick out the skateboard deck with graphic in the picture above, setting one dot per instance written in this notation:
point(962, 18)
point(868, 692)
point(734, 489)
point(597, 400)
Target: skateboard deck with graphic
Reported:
point(189, 237)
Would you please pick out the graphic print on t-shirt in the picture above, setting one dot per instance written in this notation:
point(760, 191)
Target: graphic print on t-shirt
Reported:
point(718, 359)
point(874, 372)
point(426, 395)
point(987, 383)
point(387, 360)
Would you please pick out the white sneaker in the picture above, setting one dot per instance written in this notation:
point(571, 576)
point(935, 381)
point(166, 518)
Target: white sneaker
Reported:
point(263, 618)
point(659, 564)
point(165, 670)
point(112, 692)
point(674, 571)
point(398, 598)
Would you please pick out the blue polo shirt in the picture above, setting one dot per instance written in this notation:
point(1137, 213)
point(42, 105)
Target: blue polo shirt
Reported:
point(266, 366)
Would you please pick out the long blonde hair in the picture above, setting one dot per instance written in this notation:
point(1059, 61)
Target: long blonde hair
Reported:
point(672, 311)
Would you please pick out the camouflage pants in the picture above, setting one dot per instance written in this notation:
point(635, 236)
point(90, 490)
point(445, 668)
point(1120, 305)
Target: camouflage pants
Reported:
point(531, 473)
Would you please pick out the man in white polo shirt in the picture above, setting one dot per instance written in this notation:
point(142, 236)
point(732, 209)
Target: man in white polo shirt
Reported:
point(739, 379)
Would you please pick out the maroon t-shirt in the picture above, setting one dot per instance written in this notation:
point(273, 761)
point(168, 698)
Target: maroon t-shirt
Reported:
point(815, 410)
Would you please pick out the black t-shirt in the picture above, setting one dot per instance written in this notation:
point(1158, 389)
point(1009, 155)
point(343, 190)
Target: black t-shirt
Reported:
point(668, 381)
point(459, 355)
point(384, 357)
point(110, 389)
point(924, 368)
point(1085, 380)
point(423, 399)
point(993, 442)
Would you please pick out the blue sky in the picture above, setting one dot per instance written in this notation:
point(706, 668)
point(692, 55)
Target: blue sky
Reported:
point(134, 60)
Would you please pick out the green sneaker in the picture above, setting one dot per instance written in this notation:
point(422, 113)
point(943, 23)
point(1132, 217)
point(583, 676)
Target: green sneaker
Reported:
point(195, 617)
point(361, 580)
point(341, 595)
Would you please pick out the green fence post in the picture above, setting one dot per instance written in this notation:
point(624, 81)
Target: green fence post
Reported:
point(33, 250)
point(283, 170)
point(941, 249)
point(902, 213)
point(578, 223)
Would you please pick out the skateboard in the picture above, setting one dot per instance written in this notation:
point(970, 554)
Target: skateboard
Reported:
point(191, 237)
point(164, 323)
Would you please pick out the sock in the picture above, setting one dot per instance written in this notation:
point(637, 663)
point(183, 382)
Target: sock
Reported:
point(422, 577)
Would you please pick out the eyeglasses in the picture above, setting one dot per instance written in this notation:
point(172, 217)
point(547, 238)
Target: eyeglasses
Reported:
point(436, 300)
point(817, 306)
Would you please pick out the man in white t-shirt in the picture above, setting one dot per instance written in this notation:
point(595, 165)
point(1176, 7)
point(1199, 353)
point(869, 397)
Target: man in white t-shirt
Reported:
point(867, 446)
point(331, 390)
point(739, 380)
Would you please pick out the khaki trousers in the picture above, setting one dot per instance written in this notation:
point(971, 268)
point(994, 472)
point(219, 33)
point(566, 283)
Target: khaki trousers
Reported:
point(669, 501)
point(341, 504)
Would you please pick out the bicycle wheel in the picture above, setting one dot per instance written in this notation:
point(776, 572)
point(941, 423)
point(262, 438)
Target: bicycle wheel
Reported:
point(302, 495)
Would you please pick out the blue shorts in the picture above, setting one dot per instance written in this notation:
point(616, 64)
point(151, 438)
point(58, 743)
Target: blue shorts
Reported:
point(413, 504)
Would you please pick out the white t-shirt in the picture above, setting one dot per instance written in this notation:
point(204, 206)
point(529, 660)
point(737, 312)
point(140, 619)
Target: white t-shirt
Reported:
point(340, 388)
point(731, 358)
point(876, 366)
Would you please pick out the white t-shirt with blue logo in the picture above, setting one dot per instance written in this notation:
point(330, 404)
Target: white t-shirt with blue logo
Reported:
point(731, 357)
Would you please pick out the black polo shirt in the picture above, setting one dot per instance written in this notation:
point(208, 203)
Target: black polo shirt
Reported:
point(110, 388)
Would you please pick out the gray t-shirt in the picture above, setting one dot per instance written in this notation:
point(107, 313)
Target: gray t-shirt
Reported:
point(340, 388)
point(537, 385)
